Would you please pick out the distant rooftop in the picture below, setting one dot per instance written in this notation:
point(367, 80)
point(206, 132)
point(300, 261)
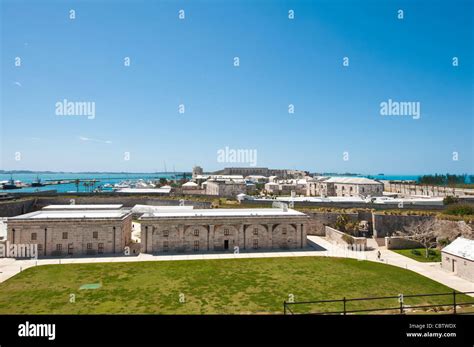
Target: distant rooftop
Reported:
point(351, 180)
point(145, 190)
point(152, 208)
point(237, 212)
point(83, 207)
point(461, 247)
point(74, 214)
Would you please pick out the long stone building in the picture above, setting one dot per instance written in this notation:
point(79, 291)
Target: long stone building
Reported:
point(345, 186)
point(223, 230)
point(72, 230)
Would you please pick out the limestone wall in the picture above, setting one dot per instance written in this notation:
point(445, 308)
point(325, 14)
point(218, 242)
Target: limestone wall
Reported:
point(396, 242)
point(318, 221)
point(13, 208)
point(222, 234)
point(461, 267)
point(337, 237)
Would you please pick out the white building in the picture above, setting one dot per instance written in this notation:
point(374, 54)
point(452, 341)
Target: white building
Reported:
point(345, 186)
point(458, 258)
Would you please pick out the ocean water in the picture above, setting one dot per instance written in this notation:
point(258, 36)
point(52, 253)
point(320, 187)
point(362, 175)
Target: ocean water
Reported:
point(102, 178)
point(113, 178)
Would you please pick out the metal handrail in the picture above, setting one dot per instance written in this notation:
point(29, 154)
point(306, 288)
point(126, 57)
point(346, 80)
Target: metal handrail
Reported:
point(401, 308)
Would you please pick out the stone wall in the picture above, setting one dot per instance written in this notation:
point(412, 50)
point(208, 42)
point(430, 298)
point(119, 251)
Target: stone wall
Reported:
point(337, 237)
point(388, 225)
point(195, 234)
point(16, 207)
point(73, 237)
point(426, 190)
point(462, 267)
point(318, 221)
point(396, 242)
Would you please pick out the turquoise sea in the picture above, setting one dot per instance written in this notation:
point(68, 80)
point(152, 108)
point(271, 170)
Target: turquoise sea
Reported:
point(102, 179)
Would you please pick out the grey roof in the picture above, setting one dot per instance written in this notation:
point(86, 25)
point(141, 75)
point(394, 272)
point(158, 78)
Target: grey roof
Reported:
point(461, 247)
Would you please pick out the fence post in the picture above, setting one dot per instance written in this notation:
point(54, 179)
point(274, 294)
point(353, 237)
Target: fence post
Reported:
point(284, 307)
point(454, 302)
point(344, 300)
point(400, 300)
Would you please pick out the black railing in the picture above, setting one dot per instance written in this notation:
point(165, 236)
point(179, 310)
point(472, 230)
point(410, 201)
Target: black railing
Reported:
point(400, 308)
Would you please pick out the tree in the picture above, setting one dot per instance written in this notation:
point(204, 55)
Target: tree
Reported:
point(423, 232)
point(163, 181)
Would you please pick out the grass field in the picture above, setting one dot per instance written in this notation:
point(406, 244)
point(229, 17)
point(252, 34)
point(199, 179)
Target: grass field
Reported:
point(226, 286)
point(418, 254)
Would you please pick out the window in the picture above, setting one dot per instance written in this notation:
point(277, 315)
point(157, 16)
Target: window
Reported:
point(196, 232)
point(196, 246)
point(40, 247)
point(255, 243)
point(65, 236)
point(283, 231)
point(101, 248)
point(89, 246)
point(95, 234)
point(166, 233)
point(70, 248)
point(226, 232)
point(33, 236)
point(59, 247)
point(255, 231)
point(165, 246)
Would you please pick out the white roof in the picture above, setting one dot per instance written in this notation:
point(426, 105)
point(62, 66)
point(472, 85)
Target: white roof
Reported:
point(151, 208)
point(145, 190)
point(75, 214)
point(224, 212)
point(205, 177)
point(83, 207)
point(351, 180)
point(190, 184)
point(461, 247)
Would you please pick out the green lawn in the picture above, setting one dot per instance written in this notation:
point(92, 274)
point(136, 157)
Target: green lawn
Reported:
point(233, 286)
point(419, 254)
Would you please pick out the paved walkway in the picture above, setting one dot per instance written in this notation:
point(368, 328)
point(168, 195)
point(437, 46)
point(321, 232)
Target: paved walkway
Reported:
point(430, 270)
point(318, 247)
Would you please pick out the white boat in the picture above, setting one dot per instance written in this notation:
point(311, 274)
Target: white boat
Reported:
point(122, 185)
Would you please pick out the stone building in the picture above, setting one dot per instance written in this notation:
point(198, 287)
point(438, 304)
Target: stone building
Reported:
point(458, 258)
point(197, 170)
point(223, 230)
point(345, 186)
point(287, 187)
point(72, 232)
point(262, 171)
point(226, 188)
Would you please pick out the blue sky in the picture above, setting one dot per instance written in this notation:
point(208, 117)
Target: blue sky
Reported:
point(282, 62)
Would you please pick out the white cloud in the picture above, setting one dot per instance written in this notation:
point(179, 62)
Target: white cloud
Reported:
point(88, 139)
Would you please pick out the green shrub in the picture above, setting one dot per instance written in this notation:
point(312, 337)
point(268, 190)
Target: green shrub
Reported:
point(415, 252)
point(450, 200)
point(460, 210)
point(347, 239)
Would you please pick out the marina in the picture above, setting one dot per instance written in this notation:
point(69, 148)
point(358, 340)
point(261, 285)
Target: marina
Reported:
point(84, 182)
